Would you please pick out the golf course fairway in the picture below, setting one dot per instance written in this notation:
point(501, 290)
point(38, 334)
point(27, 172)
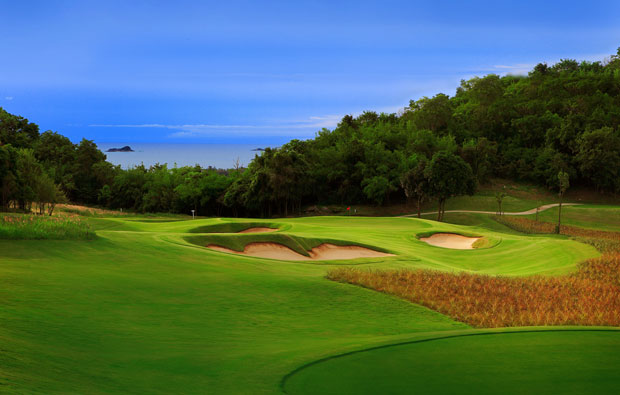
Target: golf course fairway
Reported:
point(146, 308)
point(545, 362)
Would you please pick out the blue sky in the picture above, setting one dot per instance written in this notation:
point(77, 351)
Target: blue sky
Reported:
point(265, 72)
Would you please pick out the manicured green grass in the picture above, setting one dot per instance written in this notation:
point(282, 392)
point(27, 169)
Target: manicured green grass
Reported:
point(234, 227)
point(487, 202)
point(142, 310)
point(519, 197)
point(564, 362)
point(476, 220)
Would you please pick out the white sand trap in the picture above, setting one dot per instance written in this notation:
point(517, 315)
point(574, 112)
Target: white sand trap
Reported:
point(257, 230)
point(451, 240)
point(323, 252)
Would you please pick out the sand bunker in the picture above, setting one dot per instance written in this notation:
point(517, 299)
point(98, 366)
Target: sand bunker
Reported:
point(323, 252)
point(258, 230)
point(451, 240)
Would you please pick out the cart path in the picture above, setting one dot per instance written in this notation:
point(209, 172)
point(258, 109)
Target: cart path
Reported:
point(527, 212)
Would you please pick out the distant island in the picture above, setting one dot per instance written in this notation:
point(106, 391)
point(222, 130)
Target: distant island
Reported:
point(258, 149)
point(123, 149)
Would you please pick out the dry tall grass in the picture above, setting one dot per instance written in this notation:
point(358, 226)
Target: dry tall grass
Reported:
point(24, 226)
point(527, 225)
point(589, 297)
point(604, 241)
point(605, 269)
point(87, 211)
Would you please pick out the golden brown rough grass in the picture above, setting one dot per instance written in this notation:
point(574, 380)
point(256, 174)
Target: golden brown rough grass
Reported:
point(604, 241)
point(527, 225)
point(589, 297)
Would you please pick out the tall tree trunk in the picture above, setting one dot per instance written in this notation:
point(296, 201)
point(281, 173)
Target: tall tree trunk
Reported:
point(419, 207)
point(560, 216)
point(443, 209)
point(439, 211)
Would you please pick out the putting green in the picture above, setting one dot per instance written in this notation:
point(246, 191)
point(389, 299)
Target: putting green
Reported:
point(546, 362)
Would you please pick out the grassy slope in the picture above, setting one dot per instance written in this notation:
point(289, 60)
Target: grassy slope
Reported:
point(519, 197)
point(142, 310)
point(586, 216)
point(130, 312)
point(600, 217)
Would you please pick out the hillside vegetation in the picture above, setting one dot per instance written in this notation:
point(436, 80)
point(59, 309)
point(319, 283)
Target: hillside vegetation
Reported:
point(559, 118)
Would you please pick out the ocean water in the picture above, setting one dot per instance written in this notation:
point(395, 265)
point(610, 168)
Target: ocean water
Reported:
point(221, 156)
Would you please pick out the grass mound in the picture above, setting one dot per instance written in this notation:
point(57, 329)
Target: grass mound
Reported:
point(535, 362)
point(25, 227)
point(484, 242)
point(233, 227)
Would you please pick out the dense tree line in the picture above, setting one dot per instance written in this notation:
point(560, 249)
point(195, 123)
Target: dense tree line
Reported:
point(39, 170)
point(559, 118)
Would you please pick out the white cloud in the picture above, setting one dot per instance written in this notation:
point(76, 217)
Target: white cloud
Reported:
point(305, 127)
point(520, 68)
point(9, 98)
point(293, 128)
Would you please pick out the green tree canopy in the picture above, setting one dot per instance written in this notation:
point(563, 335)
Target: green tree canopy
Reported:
point(449, 175)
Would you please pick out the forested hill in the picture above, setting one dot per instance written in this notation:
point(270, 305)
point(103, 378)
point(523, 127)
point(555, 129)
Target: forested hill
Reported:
point(559, 118)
